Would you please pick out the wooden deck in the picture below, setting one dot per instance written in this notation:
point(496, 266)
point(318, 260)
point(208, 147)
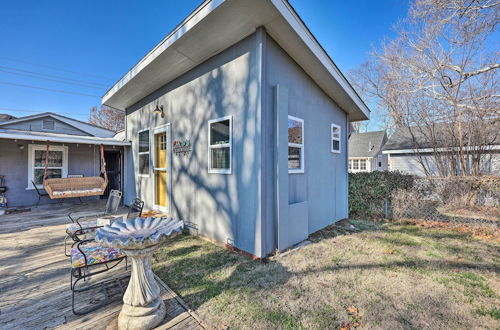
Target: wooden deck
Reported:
point(34, 278)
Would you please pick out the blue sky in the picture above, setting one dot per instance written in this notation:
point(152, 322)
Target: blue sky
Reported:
point(95, 42)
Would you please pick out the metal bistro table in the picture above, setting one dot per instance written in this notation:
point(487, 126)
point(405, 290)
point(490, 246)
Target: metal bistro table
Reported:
point(139, 239)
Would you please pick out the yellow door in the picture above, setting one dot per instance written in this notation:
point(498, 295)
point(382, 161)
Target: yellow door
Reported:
point(161, 187)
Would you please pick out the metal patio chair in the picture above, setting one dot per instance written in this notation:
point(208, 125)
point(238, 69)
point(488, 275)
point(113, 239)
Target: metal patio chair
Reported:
point(135, 209)
point(87, 224)
point(88, 258)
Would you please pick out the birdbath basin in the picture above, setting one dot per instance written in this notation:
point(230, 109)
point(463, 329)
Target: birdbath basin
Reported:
point(139, 239)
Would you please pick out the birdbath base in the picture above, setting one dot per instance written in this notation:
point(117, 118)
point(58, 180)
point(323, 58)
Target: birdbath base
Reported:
point(143, 307)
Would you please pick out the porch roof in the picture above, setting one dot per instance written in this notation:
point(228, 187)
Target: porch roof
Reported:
point(62, 138)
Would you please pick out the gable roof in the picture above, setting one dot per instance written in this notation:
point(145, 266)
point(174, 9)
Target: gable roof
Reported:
point(366, 144)
point(218, 24)
point(88, 128)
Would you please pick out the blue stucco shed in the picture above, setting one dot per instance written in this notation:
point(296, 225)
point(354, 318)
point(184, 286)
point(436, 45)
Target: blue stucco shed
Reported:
point(239, 122)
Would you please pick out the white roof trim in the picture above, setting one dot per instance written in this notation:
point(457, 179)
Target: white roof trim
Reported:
point(62, 138)
point(430, 150)
point(301, 29)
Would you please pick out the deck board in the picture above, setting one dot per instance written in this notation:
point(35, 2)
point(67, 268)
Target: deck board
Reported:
point(34, 278)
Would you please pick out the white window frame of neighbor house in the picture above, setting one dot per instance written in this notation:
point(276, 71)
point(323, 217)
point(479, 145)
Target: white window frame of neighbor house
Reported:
point(219, 146)
point(358, 161)
point(298, 145)
point(31, 162)
point(139, 153)
point(333, 138)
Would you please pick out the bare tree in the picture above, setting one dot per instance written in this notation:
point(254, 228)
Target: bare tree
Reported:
point(107, 117)
point(439, 79)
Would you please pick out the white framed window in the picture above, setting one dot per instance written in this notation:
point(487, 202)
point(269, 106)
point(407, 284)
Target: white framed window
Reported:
point(379, 160)
point(362, 165)
point(355, 164)
point(295, 145)
point(350, 164)
point(335, 138)
point(57, 166)
point(144, 152)
point(220, 144)
point(48, 124)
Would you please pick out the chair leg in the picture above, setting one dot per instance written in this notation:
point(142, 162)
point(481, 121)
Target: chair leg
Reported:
point(38, 202)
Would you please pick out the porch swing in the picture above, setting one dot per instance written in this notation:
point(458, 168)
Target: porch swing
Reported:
point(75, 187)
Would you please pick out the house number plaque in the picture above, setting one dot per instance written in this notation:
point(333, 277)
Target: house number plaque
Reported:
point(182, 148)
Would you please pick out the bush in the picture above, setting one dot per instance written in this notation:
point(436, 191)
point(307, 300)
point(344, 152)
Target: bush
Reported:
point(369, 190)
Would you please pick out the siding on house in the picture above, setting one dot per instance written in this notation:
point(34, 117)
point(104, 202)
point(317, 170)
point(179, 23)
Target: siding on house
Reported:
point(36, 125)
point(410, 164)
point(224, 207)
point(82, 159)
point(324, 184)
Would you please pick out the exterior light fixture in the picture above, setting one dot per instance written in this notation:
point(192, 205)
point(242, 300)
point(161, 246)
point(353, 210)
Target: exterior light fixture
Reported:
point(159, 110)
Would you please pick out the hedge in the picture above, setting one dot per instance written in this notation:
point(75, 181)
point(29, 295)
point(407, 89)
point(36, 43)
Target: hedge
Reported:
point(369, 190)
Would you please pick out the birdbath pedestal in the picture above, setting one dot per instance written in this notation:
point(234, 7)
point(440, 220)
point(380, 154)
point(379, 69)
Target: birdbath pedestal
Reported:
point(139, 239)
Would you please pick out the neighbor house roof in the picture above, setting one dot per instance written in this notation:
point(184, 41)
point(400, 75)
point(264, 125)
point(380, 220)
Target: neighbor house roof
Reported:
point(14, 134)
point(218, 24)
point(366, 144)
point(5, 116)
point(407, 139)
point(88, 128)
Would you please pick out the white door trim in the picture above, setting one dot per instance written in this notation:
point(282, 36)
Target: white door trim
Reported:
point(157, 130)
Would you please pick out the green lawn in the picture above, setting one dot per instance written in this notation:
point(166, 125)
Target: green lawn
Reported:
point(368, 275)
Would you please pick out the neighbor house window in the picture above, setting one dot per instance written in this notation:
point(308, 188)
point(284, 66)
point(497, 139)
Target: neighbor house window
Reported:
point(220, 134)
point(48, 124)
point(355, 164)
point(295, 145)
point(57, 166)
point(362, 164)
point(379, 158)
point(335, 137)
point(144, 152)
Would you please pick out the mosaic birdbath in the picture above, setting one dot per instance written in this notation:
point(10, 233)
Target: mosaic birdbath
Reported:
point(139, 239)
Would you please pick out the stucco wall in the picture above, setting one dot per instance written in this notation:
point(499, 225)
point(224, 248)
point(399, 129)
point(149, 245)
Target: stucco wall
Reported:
point(224, 207)
point(324, 183)
point(82, 159)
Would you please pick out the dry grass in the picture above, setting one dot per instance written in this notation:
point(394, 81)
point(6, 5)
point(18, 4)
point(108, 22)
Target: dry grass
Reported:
point(357, 273)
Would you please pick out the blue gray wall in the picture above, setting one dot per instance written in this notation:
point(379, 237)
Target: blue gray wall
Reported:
point(240, 208)
point(322, 189)
point(224, 207)
point(82, 159)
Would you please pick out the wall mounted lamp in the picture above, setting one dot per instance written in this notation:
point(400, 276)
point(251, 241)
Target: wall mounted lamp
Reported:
point(159, 110)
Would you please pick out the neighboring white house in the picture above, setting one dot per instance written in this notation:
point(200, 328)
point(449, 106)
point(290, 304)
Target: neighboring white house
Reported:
point(404, 156)
point(365, 152)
